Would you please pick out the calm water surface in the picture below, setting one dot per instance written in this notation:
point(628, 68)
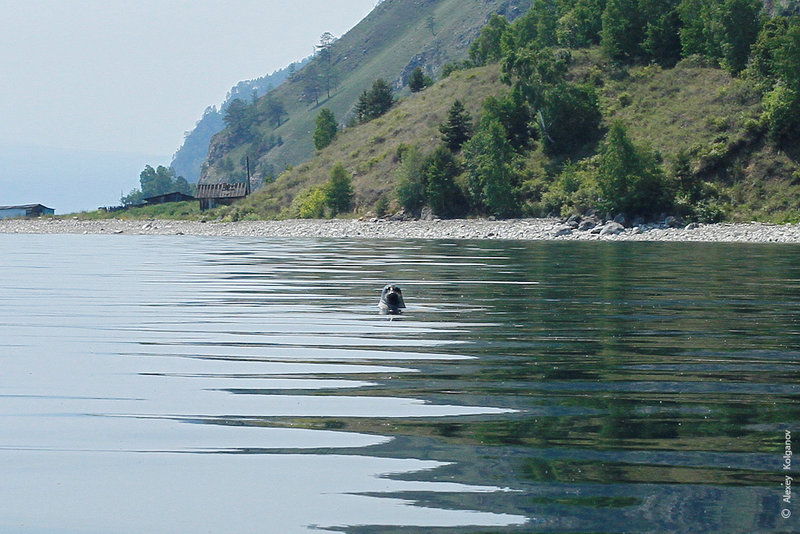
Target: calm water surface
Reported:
point(182, 384)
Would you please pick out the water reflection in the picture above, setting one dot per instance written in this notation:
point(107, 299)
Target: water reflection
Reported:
point(527, 386)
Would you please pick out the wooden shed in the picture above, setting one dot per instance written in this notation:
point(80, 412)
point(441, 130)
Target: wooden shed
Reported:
point(25, 210)
point(221, 194)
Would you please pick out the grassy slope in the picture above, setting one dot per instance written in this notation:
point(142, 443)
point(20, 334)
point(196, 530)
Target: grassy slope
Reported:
point(382, 45)
point(690, 107)
point(369, 151)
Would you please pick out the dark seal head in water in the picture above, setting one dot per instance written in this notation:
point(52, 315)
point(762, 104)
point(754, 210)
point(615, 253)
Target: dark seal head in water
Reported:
point(391, 300)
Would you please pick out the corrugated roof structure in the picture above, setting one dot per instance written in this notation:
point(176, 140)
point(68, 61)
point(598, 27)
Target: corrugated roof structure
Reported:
point(212, 195)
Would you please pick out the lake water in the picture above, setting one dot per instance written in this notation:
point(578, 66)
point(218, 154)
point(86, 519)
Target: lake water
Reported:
point(186, 384)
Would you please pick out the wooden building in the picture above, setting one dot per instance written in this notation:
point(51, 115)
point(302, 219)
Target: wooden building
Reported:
point(25, 210)
point(221, 194)
point(168, 197)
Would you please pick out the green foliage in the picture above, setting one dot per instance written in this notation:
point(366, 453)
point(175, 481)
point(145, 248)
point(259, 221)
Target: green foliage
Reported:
point(782, 113)
point(154, 182)
point(686, 181)
point(581, 24)
point(444, 196)
point(546, 18)
point(374, 102)
point(741, 22)
point(630, 178)
point(418, 80)
point(339, 190)
point(311, 203)
point(534, 71)
point(382, 206)
point(782, 103)
point(574, 190)
point(326, 129)
point(721, 30)
point(514, 113)
point(491, 178)
point(787, 57)
point(240, 117)
point(273, 110)
point(623, 29)
point(458, 128)
point(569, 116)
point(488, 46)
point(662, 42)
point(411, 189)
point(763, 67)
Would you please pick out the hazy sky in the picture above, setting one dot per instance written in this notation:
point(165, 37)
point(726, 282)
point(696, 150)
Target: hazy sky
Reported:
point(133, 75)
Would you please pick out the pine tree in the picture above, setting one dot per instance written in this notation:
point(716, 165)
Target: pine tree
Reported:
point(417, 82)
point(458, 128)
point(339, 190)
point(375, 102)
point(326, 129)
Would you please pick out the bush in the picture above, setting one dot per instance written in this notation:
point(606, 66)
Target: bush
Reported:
point(411, 186)
point(630, 178)
point(444, 196)
point(569, 117)
point(782, 113)
point(311, 203)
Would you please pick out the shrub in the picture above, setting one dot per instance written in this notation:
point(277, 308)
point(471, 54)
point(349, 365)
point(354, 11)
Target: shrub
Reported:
point(411, 186)
point(630, 179)
point(444, 196)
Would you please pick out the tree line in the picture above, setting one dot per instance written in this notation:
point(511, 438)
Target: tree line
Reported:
point(159, 181)
point(545, 109)
point(480, 168)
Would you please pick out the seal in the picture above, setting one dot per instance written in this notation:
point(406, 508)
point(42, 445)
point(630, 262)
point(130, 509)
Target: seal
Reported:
point(391, 300)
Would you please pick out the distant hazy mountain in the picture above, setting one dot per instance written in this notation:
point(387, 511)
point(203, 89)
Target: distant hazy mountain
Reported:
point(189, 158)
point(68, 180)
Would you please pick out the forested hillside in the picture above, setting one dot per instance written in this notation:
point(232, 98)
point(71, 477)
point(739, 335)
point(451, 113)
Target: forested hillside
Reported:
point(188, 160)
point(644, 107)
point(398, 36)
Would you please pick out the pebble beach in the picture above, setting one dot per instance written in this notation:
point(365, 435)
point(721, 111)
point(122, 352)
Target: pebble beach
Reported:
point(513, 229)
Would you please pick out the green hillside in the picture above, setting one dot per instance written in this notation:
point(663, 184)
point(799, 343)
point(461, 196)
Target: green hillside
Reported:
point(395, 37)
point(696, 116)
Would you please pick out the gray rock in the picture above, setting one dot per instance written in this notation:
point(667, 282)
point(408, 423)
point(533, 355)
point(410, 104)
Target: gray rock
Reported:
point(587, 224)
point(673, 222)
point(622, 219)
point(574, 219)
point(612, 228)
point(562, 231)
point(692, 226)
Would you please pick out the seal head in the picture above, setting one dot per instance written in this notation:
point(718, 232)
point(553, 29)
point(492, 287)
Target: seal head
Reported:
point(391, 300)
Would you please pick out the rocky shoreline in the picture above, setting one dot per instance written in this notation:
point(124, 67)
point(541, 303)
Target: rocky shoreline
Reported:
point(513, 229)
